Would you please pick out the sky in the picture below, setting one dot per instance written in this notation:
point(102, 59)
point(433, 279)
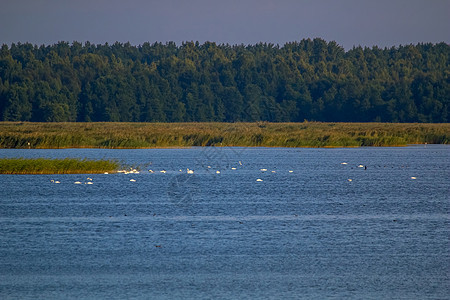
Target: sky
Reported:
point(383, 23)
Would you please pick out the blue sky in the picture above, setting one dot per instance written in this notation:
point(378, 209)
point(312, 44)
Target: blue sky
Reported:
point(384, 23)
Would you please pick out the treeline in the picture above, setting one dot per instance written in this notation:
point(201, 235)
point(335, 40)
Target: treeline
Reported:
point(307, 80)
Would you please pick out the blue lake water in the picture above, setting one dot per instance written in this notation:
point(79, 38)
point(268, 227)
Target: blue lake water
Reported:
point(324, 230)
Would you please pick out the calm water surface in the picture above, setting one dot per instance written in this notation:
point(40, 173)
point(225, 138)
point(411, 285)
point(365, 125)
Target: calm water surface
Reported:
point(309, 233)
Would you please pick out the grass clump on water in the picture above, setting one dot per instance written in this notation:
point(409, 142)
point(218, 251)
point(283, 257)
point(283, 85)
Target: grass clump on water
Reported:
point(56, 166)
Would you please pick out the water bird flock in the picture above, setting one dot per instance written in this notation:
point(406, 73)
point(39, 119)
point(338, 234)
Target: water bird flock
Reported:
point(89, 180)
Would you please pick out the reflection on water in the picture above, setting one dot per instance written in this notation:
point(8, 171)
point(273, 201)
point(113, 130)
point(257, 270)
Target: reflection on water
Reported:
point(309, 233)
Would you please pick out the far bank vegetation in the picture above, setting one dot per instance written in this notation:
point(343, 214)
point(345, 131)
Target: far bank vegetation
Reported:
point(153, 135)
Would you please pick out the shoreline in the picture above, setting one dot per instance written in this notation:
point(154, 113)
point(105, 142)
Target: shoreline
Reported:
point(225, 146)
point(23, 135)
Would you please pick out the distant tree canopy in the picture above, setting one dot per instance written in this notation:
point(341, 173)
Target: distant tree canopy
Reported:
point(311, 79)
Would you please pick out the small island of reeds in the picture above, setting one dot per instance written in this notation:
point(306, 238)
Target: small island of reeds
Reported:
point(56, 166)
point(257, 134)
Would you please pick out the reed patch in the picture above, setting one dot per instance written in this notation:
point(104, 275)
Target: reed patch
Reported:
point(154, 135)
point(56, 166)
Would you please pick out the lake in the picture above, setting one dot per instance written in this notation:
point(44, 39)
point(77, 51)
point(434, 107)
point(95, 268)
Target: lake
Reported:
point(249, 223)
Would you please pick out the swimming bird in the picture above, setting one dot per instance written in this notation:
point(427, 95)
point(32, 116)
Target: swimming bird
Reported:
point(233, 168)
point(343, 163)
point(413, 177)
point(106, 173)
point(56, 181)
point(190, 171)
point(291, 171)
point(163, 171)
point(77, 182)
point(240, 163)
point(349, 180)
point(263, 170)
point(259, 180)
point(151, 171)
point(133, 180)
point(89, 182)
point(217, 172)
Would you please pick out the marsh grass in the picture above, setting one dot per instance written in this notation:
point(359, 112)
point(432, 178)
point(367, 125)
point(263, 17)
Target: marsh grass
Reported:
point(153, 135)
point(56, 166)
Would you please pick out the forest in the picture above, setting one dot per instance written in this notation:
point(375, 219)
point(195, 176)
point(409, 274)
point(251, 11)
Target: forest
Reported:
point(311, 79)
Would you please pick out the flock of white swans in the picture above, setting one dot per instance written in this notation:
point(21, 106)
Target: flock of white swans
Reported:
point(89, 180)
